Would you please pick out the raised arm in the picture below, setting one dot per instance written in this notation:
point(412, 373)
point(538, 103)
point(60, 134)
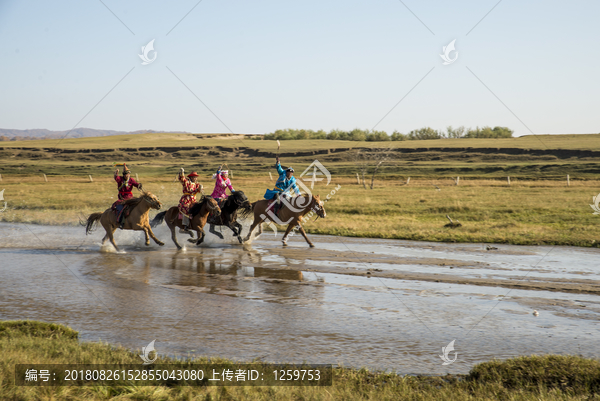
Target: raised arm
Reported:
point(181, 176)
point(280, 169)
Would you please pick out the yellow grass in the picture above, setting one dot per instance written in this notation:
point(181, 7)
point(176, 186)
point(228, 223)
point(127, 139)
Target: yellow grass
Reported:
point(527, 212)
point(547, 377)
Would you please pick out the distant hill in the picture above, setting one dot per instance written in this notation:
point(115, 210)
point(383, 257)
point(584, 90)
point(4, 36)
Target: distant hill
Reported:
point(31, 134)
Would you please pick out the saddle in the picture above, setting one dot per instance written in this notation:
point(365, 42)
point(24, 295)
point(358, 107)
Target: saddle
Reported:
point(124, 211)
point(275, 208)
point(212, 218)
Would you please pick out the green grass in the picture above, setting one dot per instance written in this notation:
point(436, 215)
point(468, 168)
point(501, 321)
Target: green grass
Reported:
point(545, 157)
point(588, 142)
point(538, 208)
point(527, 212)
point(549, 377)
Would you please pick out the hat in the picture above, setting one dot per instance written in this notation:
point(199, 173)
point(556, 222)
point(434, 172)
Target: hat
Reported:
point(214, 176)
point(125, 169)
point(193, 174)
point(289, 169)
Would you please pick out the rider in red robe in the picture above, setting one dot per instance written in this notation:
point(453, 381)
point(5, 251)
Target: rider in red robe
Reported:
point(125, 186)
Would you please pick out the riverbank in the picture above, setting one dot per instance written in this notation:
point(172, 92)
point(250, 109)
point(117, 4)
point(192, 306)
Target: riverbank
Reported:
point(547, 377)
point(490, 211)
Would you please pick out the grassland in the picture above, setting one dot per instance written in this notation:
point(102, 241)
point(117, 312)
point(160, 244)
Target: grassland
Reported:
point(537, 208)
point(549, 377)
point(527, 212)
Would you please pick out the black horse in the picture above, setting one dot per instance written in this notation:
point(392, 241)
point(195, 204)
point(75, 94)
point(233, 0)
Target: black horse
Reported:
point(229, 214)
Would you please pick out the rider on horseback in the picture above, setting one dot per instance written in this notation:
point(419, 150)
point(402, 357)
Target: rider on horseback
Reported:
point(223, 182)
point(284, 185)
point(125, 184)
point(190, 189)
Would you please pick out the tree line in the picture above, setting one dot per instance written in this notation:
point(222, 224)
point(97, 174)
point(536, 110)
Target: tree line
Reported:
point(380, 136)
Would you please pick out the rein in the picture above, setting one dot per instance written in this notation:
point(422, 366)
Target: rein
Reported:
point(151, 202)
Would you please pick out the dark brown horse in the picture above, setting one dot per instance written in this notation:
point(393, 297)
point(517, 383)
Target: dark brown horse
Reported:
point(136, 220)
point(198, 215)
point(292, 214)
point(229, 215)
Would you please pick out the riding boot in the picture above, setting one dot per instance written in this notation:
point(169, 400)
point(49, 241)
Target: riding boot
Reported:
point(185, 221)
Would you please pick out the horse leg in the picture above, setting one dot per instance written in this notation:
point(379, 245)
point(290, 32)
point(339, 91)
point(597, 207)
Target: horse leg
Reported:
point(304, 235)
point(174, 237)
point(201, 235)
point(147, 237)
point(239, 233)
point(148, 231)
point(260, 231)
point(109, 232)
point(255, 223)
point(213, 231)
point(237, 229)
point(287, 231)
point(195, 241)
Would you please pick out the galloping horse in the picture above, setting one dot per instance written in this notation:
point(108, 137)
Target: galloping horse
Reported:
point(228, 218)
point(137, 219)
point(198, 215)
point(301, 206)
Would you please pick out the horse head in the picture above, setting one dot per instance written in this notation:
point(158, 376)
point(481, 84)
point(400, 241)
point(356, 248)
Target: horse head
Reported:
point(212, 205)
point(318, 206)
point(152, 200)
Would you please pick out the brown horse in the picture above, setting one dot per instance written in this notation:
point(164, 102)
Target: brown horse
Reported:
point(292, 214)
point(198, 215)
point(137, 219)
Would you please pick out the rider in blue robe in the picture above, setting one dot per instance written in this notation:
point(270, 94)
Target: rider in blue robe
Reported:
point(286, 183)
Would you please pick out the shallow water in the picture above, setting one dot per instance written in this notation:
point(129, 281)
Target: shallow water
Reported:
point(297, 304)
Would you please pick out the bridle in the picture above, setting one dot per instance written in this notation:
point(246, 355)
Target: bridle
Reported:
point(210, 206)
point(317, 208)
point(154, 203)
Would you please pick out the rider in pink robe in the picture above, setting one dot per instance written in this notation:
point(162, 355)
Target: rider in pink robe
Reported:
point(222, 184)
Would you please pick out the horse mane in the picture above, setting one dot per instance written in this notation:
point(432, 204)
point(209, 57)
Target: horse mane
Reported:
point(133, 202)
point(195, 209)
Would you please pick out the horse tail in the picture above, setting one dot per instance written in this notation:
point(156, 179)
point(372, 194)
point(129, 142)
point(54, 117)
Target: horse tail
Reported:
point(158, 219)
point(92, 222)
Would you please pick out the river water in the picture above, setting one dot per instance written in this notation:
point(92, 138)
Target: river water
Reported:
point(380, 304)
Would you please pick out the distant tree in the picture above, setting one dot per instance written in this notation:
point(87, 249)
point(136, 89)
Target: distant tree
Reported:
point(488, 132)
point(455, 132)
point(371, 159)
point(397, 136)
point(425, 133)
point(377, 136)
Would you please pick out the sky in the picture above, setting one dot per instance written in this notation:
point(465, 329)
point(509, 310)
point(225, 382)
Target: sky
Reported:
point(261, 65)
